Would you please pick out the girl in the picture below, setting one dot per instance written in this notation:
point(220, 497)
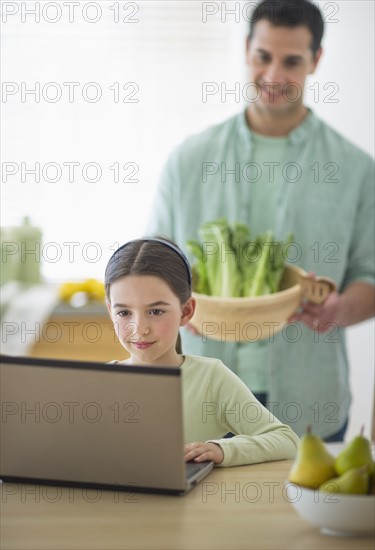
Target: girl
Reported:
point(148, 291)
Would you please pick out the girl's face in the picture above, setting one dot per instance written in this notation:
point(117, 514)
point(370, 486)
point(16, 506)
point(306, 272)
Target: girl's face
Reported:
point(147, 316)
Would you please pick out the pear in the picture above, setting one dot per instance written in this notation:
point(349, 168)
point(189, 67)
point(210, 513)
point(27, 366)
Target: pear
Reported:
point(313, 464)
point(356, 454)
point(354, 482)
point(371, 483)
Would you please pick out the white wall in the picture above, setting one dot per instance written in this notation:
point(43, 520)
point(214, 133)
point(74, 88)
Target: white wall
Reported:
point(361, 357)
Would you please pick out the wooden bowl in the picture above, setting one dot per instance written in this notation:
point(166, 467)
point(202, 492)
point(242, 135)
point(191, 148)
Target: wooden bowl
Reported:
point(249, 319)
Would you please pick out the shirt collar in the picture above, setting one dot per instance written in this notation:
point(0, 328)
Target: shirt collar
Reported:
point(303, 131)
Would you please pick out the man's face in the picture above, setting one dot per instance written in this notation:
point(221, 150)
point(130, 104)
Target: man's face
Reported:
point(279, 59)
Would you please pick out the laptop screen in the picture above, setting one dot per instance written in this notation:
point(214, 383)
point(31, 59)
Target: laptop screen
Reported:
point(74, 421)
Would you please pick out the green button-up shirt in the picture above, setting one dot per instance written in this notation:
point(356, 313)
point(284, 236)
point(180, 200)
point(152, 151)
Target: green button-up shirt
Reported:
point(325, 197)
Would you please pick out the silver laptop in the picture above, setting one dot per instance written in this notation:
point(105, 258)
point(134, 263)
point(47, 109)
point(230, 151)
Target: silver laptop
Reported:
point(94, 424)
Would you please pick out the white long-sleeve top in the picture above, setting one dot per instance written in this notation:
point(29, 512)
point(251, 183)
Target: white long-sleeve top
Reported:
point(216, 402)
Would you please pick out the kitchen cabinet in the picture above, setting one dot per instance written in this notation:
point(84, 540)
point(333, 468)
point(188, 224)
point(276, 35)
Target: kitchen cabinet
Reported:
point(84, 333)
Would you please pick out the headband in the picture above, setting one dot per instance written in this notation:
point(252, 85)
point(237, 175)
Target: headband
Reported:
point(171, 246)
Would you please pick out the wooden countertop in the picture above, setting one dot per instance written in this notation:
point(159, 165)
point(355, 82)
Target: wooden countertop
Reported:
point(242, 507)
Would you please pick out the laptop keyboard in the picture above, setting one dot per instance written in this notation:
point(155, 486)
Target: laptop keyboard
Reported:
point(193, 467)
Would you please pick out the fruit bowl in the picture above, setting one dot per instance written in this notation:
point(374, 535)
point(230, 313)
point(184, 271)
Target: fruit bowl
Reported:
point(249, 319)
point(335, 514)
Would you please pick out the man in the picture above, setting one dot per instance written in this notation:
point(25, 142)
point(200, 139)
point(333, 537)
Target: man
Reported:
point(277, 166)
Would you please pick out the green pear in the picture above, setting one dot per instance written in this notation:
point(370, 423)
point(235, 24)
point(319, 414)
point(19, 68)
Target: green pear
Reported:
point(313, 464)
point(356, 454)
point(371, 483)
point(354, 482)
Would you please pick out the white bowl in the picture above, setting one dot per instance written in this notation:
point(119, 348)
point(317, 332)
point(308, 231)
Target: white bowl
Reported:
point(335, 514)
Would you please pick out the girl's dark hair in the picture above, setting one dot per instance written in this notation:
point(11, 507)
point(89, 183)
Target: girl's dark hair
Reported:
point(291, 13)
point(157, 256)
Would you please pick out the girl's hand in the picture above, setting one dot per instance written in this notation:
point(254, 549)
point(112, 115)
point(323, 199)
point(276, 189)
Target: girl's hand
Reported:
point(200, 452)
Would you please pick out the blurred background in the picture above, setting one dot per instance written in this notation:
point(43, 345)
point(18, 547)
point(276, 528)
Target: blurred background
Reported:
point(94, 98)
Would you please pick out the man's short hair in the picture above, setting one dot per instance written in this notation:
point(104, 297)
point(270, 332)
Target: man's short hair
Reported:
point(291, 13)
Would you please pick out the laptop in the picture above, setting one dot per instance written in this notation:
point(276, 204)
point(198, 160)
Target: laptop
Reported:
point(90, 424)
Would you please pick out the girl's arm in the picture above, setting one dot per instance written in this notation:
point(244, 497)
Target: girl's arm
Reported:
point(259, 436)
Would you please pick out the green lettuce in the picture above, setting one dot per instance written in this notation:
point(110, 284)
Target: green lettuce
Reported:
point(229, 263)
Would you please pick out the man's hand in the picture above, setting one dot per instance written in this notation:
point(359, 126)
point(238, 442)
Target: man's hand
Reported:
point(354, 305)
point(320, 317)
point(200, 452)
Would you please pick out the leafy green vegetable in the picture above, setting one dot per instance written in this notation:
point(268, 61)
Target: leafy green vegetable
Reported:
point(217, 268)
point(230, 264)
